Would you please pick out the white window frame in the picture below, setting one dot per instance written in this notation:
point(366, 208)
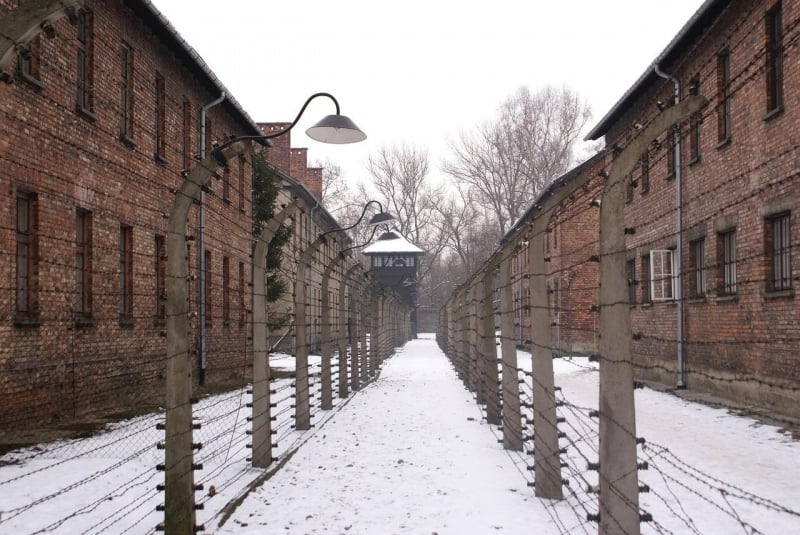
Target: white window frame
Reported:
point(662, 275)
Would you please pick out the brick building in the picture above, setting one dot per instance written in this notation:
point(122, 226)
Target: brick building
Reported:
point(712, 206)
point(571, 246)
point(97, 124)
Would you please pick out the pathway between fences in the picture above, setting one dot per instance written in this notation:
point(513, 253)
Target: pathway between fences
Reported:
point(408, 454)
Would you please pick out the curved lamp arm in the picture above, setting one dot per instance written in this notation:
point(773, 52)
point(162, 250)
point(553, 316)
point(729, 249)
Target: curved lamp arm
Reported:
point(336, 129)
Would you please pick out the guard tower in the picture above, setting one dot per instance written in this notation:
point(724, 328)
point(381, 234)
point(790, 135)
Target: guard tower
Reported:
point(393, 261)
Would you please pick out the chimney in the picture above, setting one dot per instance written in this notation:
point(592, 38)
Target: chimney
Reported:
point(278, 154)
point(314, 184)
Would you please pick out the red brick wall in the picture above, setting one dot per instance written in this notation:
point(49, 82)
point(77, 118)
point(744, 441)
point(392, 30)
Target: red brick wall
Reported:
point(573, 273)
point(57, 370)
point(744, 346)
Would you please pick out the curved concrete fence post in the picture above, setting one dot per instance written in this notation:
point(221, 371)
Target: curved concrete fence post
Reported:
point(488, 350)
point(375, 336)
point(619, 482)
point(23, 23)
point(476, 373)
point(262, 425)
point(512, 415)
point(365, 347)
point(326, 393)
point(179, 455)
point(346, 324)
point(302, 385)
point(547, 463)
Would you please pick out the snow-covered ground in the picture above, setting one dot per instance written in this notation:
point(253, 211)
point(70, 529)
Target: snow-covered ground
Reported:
point(410, 453)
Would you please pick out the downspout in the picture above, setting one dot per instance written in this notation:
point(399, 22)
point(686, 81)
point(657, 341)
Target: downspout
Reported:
point(201, 253)
point(681, 383)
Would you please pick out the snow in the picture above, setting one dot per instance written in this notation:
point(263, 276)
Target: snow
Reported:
point(411, 453)
point(396, 245)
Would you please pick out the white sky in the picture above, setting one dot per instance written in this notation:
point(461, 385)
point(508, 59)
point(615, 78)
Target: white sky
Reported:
point(419, 71)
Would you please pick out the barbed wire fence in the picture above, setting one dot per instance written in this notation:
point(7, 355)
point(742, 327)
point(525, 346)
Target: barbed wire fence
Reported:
point(663, 480)
point(97, 418)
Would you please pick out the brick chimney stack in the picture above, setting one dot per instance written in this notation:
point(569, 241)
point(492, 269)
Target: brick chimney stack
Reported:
point(278, 155)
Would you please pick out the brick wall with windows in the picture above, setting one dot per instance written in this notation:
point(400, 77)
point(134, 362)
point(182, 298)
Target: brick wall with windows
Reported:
point(740, 197)
point(95, 130)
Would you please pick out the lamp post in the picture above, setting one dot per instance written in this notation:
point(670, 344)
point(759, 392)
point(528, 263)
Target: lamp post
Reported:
point(302, 407)
point(179, 486)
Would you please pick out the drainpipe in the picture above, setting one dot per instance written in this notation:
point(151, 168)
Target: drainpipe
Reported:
point(201, 374)
point(681, 383)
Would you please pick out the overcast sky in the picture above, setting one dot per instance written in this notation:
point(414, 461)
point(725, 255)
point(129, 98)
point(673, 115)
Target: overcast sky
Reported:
point(417, 71)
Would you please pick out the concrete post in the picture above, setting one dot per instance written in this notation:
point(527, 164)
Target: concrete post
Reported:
point(547, 462)
point(619, 482)
point(179, 455)
point(23, 23)
point(262, 425)
point(345, 324)
point(302, 398)
point(512, 415)
point(489, 347)
point(326, 393)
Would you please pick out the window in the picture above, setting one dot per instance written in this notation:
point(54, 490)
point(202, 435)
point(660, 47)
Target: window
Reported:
point(226, 183)
point(778, 241)
point(30, 62)
point(85, 50)
point(83, 264)
point(27, 258)
point(207, 286)
point(694, 124)
point(644, 179)
point(774, 58)
point(226, 290)
point(125, 272)
point(697, 265)
point(161, 119)
point(159, 274)
point(187, 134)
point(242, 294)
point(723, 97)
point(671, 147)
point(630, 269)
point(727, 263)
point(662, 275)
point(645, 271)
point(126, 93)
point(242, 162)
point(629, 188)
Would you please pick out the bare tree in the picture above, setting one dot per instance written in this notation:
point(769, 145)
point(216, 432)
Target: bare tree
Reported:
point(400, 177)
point(334, 186)
point(507, 162)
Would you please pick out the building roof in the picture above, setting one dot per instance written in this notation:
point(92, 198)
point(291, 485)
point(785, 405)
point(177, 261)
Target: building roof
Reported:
point(691, 31)
point(397, 245)
point(167, 33)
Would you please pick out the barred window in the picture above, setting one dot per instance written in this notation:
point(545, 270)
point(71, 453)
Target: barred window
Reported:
point(779, 252)
point(727, 264)
point(126, 93)
point(85, 61)
point(27, 257)
point(125, 272)
point(160, 273)
point(723, 96)
point(83, 264)
point(774, 58)
point(697, 265)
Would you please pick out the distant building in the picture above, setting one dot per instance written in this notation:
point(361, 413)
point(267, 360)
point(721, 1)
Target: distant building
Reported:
point(393, 261)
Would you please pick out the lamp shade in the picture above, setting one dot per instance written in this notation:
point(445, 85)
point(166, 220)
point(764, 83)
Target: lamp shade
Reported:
point(389, 235)
point(380, 218)
point(336, 129)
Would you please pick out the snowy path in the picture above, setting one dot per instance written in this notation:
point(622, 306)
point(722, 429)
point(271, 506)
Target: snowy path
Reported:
point(408, 454)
